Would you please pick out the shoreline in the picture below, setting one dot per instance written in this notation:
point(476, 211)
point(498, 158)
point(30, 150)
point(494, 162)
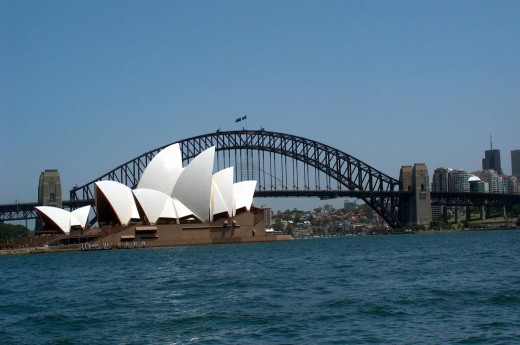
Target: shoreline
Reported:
point(43, 250)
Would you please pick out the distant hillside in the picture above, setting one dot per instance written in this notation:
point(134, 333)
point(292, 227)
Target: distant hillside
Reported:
point(10, 232)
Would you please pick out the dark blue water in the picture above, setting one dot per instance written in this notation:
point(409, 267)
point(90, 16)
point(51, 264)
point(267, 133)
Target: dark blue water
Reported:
point(457, 288)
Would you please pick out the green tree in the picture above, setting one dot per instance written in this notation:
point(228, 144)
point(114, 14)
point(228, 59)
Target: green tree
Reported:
point(278, 225)
point(289, 229)
point(10, 232)
point(515, 211)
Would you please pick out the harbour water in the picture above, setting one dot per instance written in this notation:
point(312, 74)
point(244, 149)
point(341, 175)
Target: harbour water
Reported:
point(456, 288)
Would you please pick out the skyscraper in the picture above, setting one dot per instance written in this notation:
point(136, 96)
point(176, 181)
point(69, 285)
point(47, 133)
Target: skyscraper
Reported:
point(491, 161)
point(515, 163)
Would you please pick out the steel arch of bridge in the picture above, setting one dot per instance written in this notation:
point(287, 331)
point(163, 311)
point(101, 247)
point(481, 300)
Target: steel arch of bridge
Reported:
point(283, 165)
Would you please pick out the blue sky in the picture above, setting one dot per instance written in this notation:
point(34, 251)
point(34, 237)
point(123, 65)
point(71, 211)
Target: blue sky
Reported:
point(88, 85)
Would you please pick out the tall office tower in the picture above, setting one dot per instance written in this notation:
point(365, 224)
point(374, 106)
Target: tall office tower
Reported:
point(49, 191)
point(491, 161)
point(440, 180)
point(515, 163)
point(440, 183)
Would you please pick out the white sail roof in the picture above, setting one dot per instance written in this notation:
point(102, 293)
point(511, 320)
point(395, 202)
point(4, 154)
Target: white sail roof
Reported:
point(193, 187)
point(166, 190)
point(120, 198)
point(180, 209)
point(79, 217)
point(243, 193)
point(222, 192)
point(58, 216)
point(163, 170)
point(155, 204)
point(64, 219)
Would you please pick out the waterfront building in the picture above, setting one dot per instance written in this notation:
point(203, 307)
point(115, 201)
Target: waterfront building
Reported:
point(516, 184)
point(509, 184)
point(349, 206)
point(491, 161)
point(171, 205)
point(268, 215)
point(440, 183)
point(441, 180)
point(459, 181)
point(477, 185)
point(328, 208)
point(491, 178)
point(515, 163)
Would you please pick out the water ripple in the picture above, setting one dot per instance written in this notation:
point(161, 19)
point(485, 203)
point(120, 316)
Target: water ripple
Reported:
point(459, 288)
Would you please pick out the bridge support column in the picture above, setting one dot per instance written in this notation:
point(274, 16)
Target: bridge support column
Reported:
point(468, 213)
point(482, 213)
point(445, 214)
point(49, 193)
point(456, 214)
point(416, 210)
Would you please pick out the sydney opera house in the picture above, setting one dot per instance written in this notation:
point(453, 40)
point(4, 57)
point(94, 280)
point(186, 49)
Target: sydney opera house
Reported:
point(171, 205)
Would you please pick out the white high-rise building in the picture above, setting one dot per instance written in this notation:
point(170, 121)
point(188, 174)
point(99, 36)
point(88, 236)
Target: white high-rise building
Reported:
point(492, 179)
point(459, 181)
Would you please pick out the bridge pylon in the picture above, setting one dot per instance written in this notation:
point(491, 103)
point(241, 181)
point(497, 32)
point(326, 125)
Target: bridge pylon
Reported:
point(417, 207)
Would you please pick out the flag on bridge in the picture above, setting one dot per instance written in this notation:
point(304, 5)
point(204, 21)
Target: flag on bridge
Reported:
point(241, 118)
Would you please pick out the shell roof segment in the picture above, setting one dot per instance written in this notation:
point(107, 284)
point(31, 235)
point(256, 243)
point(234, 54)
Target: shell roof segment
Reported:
point(119, 197)
point(193, 187)
point(155, 204)
point(163, 170)
point(64, 219)
point(58, 216)
point(243, 193)
point(79, 217)
point(222, 192)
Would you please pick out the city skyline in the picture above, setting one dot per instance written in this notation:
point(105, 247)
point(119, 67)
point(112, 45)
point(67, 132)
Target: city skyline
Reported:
point(86, 87)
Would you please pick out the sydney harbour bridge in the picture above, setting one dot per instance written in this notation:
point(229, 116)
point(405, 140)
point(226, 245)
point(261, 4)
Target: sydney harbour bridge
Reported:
point(284, 165)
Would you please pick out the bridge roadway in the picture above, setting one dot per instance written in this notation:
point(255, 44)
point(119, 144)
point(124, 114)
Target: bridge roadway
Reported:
point(22, 211)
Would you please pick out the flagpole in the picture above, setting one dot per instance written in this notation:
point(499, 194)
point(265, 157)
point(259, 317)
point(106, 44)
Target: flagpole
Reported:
point(241, 118)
